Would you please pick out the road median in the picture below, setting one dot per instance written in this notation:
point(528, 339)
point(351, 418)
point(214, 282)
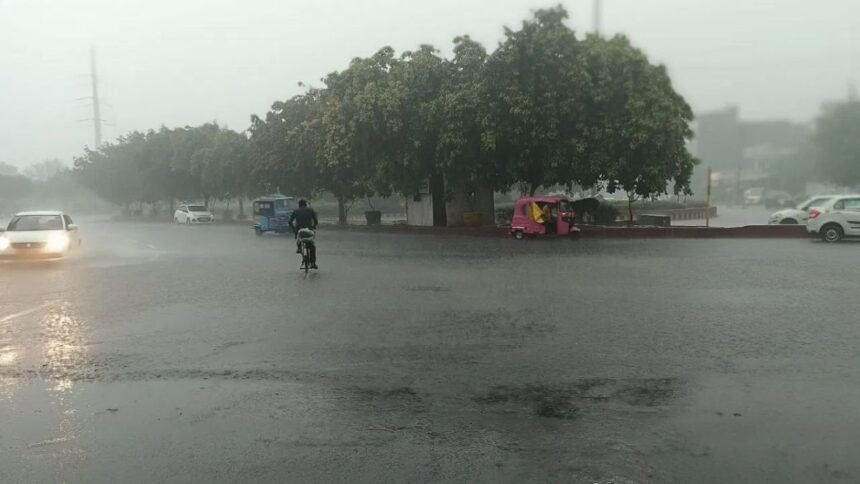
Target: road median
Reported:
point(634, 232)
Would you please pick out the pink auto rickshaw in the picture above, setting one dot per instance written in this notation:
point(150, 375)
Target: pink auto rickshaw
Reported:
point(550, 215)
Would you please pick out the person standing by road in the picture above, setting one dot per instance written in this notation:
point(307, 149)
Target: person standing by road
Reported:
point(305, 217)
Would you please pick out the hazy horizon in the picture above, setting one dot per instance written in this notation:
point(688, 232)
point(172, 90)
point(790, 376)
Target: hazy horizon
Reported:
point(185, 63)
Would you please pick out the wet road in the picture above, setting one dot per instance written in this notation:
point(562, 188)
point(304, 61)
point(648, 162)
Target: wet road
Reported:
point(174, 354)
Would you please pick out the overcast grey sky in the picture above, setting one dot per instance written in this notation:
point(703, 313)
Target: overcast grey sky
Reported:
point(179, 62)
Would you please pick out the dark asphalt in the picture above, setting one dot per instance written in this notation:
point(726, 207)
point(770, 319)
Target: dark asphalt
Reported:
point(201, 354)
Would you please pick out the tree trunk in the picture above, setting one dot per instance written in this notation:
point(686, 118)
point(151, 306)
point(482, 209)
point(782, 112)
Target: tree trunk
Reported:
point(341, 210)
point(533, 189)
point(241, 208)
point(172, 205)
point(437, 193)
point(629, 211)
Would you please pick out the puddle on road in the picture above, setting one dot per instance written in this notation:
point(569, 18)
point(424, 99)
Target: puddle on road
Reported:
point(564, 401)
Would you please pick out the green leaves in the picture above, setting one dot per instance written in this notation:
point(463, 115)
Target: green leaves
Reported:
point(544, 109)
point(638, 126)
point(533, 114)
point(184, 163)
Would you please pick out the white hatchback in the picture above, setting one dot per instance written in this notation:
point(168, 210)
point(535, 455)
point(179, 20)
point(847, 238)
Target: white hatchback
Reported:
point(799, 215)
point(836, 219)
point(193, 214)
point(39, 234)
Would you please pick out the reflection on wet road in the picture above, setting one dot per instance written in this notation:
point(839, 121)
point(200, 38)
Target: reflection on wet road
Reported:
point(201, 354)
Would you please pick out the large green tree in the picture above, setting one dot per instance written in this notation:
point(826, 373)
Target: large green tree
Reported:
point(286, 145)
point(638, 126)
point(459, 111)
point(535, 117)
point(165, 165)
point(112, 171)
point(417, 81)
point(837, 142)
point(357, 117)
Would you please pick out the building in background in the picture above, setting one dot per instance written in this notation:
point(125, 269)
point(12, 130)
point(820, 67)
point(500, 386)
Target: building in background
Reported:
point(719, 140)
point(744, 153)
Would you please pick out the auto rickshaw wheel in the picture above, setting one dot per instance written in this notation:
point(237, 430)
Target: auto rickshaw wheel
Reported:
point(258, 231)
point(519, 235)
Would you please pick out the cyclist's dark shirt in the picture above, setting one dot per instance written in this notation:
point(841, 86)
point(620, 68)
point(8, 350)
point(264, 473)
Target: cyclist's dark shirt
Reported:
point(303, 218)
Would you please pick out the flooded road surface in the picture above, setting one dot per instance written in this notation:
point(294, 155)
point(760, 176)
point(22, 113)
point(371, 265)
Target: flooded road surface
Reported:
point(202, 354)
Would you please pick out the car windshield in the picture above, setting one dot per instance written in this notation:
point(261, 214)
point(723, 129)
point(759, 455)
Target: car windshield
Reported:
point(24, 223)
point(196, 208)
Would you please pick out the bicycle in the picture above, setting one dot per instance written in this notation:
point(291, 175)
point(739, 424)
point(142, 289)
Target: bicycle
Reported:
point(306, 241)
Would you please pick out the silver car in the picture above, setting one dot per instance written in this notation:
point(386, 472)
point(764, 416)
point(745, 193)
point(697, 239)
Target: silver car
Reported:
point(39, 234)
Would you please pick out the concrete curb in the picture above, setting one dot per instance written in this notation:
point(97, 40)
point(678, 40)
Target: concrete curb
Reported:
point(588, 231)
point(747, 232)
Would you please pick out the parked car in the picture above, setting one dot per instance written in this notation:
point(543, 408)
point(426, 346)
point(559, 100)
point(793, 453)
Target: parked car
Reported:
point(39, 234)
point(753, 196)
point(800, 214)
point(836, 219)
point(193, 214)
point(777, 199)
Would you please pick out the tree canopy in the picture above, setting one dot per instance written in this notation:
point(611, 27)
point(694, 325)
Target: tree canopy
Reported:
point(544, 109)
point(166, 165)
point(638, 126)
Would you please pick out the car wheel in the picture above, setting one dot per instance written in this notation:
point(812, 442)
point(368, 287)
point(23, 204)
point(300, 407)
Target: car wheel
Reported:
point(188, 221)
point(788, 221)
point(832, 233)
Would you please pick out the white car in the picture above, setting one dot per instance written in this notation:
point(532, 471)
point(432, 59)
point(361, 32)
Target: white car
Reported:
point(836, 219)
point(39, 234)
point(799, 215)
point(193, 214)
point(753, 196)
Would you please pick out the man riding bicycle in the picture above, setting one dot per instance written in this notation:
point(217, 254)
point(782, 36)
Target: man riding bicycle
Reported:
point(305, 217)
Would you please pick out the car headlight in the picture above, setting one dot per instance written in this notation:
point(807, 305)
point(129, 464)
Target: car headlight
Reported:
point(57, 243)
point(4, 243)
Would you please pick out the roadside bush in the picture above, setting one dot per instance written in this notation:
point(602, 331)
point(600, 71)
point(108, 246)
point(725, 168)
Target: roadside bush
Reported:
point(606, 214)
